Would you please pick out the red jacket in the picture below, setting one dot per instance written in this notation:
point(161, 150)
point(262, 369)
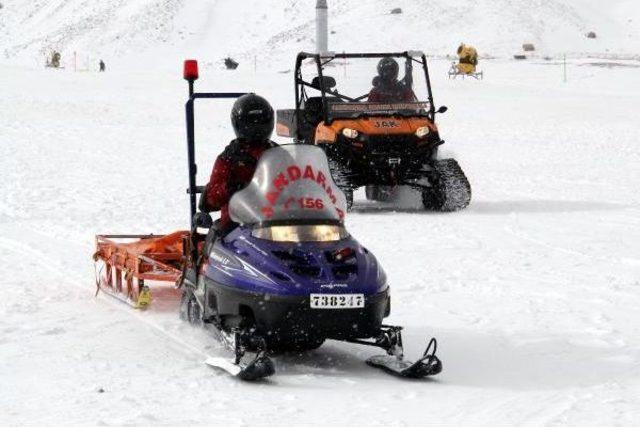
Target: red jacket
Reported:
point(232, 171)
point(396, 93)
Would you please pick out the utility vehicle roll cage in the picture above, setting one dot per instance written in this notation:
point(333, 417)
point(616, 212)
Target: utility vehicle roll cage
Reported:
point(320, 83)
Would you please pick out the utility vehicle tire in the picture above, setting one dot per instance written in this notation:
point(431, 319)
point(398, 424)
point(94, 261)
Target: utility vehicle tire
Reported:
point(379, 193)
point(340, 174)
point(189, 308)
point(450, 190)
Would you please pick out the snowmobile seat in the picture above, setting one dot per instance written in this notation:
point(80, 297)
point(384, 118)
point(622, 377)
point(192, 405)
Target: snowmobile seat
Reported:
point(312, 114)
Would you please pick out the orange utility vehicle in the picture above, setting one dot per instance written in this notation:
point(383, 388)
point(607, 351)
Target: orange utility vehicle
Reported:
point(378, 145)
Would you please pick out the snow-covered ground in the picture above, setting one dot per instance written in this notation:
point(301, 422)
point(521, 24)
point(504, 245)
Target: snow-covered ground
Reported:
point(533, 291)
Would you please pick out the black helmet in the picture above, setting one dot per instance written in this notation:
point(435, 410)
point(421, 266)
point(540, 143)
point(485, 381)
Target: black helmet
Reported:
point(252, 118)
point(388, 69)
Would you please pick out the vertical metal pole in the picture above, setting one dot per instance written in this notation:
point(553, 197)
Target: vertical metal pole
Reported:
point(297, 79)
point(191, 157)
point(193, 170)
point(322, 43)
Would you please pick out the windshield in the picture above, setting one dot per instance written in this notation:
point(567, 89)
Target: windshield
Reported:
point(370, 86)
point(292, 183)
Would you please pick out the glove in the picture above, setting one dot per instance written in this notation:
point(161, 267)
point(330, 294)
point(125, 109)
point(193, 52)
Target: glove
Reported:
point(202, 204)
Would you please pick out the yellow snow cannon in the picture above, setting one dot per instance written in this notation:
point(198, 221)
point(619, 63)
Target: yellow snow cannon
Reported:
point(467, 63)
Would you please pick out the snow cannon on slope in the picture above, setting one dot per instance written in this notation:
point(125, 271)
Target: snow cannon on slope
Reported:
point(467, 63)
point(289, 276)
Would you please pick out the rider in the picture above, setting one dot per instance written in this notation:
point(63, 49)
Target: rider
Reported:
point(252, 120)
point(387, 87)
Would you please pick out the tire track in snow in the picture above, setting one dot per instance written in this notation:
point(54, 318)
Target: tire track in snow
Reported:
point(47, 263)
point(526, 236)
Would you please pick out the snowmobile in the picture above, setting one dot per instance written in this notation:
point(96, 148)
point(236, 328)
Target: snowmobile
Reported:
point(377, 145)
point(287, 278)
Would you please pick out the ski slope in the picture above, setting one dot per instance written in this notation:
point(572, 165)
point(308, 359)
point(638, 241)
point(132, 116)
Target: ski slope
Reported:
point(157, 33)
point(533, 291)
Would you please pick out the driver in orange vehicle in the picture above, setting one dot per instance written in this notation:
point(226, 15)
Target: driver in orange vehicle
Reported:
point(387, 87)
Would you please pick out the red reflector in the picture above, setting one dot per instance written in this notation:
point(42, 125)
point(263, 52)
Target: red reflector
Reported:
point(191, 69)
point(343, 253)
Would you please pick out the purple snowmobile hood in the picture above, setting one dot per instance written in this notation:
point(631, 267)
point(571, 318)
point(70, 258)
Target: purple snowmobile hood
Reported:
point(244, 262)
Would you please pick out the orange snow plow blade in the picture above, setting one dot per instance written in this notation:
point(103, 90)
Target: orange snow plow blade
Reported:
point(127, 261)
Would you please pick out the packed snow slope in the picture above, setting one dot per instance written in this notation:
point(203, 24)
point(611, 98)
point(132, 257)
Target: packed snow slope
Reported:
point(152, 32)
point(533, 291)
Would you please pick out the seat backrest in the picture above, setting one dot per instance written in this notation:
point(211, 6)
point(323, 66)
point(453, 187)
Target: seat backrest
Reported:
point(313, 108)
point(312, 115)
point(313, 111)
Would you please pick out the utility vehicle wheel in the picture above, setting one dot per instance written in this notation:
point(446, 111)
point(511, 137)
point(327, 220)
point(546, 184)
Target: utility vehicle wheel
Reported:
point(379, 193)
point(189, 308)
point(450, 190)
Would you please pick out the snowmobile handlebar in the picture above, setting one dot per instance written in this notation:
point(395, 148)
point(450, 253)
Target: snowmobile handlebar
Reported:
point(199, 189)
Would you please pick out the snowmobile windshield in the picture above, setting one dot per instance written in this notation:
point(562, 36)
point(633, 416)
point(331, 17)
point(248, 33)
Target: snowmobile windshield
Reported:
point(292, 186)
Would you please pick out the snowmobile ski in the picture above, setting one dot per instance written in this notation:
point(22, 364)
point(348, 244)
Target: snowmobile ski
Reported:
point(427, 365)
point(260, 367)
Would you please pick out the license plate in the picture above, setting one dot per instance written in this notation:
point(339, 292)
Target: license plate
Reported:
point(336, 301)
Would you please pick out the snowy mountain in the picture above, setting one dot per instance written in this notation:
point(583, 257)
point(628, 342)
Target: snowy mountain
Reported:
point(161, 31)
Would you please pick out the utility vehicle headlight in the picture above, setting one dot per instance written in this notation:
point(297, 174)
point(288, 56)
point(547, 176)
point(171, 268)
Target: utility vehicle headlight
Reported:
point(350, 133)
point(423, 131)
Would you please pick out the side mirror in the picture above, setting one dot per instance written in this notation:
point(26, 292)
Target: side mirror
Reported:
point(328, 81)
point(442, 109)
